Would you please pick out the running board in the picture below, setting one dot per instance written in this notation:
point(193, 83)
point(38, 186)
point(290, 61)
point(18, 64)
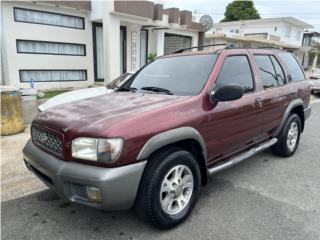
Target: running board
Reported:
point(243, 156)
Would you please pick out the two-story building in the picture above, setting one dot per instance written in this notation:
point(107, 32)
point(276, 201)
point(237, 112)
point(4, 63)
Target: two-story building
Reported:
point(59, 44)
point(284, 32)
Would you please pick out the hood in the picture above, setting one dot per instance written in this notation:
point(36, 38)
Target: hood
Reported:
point(74, 95)
point(94, 116)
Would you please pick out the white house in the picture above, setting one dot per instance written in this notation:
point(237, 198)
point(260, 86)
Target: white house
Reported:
point(287, 31)
point(59, 44)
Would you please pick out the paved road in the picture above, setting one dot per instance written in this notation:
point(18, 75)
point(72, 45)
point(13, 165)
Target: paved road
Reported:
point(266, 197)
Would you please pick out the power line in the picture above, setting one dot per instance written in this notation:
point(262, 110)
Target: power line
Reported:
point(271, 14)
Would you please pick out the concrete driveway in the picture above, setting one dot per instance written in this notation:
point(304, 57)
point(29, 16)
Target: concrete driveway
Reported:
point(265, 197)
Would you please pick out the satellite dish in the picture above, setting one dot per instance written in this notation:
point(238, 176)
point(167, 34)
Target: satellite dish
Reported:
point(207, 22)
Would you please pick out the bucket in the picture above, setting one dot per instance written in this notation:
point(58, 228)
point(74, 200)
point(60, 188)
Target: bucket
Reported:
point(29, 104)
point(11, 111)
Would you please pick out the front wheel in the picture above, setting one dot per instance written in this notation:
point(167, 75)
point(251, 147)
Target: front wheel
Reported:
point(289, 137)
point(169, 188)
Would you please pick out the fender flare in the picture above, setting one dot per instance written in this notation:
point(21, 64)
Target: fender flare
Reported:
point(294, 103)
point(171, 136)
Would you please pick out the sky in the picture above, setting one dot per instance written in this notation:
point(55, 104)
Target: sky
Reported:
point(307, 11)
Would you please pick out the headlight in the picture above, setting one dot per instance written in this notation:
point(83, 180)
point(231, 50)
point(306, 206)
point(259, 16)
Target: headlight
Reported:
point(97, 149)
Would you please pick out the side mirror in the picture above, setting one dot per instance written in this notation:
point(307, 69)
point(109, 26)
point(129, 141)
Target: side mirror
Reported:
point(227, 92)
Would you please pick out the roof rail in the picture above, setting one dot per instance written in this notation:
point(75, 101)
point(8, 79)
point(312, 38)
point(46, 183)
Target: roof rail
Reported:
point(201, 46)
point(227, 46)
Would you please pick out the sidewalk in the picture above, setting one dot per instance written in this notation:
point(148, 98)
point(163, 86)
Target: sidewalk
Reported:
point(16, 180)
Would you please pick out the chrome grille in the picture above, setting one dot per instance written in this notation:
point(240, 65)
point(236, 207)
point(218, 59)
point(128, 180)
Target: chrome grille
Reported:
point(49, 140)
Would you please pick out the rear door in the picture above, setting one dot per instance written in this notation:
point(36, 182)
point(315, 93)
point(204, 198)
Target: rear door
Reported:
point(273, 99)
point(234, 125)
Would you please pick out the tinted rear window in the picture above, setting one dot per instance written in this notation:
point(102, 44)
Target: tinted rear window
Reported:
point(292, 65)
point(182, 75)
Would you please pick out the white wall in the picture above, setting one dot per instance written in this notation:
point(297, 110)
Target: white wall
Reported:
point(13, 61)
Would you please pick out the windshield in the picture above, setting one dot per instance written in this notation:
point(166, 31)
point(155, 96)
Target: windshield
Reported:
point(118, 81)
point(181, 75)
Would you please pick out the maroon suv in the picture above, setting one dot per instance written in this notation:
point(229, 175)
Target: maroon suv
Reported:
point(152, 143)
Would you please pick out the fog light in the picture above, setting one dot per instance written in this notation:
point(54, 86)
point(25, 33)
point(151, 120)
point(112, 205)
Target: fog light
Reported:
point(94, 194)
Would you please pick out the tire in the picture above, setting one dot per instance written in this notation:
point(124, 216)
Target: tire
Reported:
point(162, 210)
point(285, 147)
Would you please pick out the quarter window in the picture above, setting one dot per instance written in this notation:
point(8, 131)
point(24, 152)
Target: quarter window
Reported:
point(48, 18)
point(268, 72)
point(236, 70)
point(292, 65)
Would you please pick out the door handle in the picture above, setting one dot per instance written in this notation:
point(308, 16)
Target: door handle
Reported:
point(259, 102)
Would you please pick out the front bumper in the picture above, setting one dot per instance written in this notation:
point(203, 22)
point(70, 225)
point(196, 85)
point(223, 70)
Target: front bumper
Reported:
point(118, 186)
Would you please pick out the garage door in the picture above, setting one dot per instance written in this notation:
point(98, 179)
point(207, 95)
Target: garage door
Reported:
point(173, 42)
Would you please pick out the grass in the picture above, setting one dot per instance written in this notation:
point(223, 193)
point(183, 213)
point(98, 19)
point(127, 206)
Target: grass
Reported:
point(50, 94)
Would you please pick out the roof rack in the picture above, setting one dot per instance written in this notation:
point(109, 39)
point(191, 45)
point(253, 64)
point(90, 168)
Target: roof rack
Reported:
point(227, 46)
point(201, 46)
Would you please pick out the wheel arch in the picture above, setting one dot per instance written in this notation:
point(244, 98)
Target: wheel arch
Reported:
point(295, 106)
point(186, 138)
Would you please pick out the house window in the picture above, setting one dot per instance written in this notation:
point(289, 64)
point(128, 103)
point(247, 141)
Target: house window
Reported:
point(298, 33)
point(52, 75)
point(48, 18)
point(143, 47)
point(235, 30)
point(98, 51)
point(288, 32)
point(123, 49)
point(55, 48)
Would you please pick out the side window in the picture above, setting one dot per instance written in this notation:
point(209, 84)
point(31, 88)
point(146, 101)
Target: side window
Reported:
point(236, 70)
point(292, 65)
point(279, 71)
point(269, 72)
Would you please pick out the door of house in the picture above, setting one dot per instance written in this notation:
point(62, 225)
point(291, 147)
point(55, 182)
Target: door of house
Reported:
point(174, 42)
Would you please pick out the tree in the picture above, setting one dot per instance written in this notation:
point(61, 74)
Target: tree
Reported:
point(240, 10)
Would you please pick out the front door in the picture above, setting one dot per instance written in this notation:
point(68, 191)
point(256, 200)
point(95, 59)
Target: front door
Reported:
point(234, 125)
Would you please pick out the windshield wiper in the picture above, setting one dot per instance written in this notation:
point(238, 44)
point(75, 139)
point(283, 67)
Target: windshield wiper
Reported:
point(158, 89)
point(126, 89)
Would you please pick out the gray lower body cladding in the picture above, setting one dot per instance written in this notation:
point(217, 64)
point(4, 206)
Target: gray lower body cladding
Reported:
point(118, 186)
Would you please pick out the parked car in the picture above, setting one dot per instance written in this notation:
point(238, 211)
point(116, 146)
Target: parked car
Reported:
point(153, 142)
point(84, 93)
point(315, 81)
point(315, 74)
